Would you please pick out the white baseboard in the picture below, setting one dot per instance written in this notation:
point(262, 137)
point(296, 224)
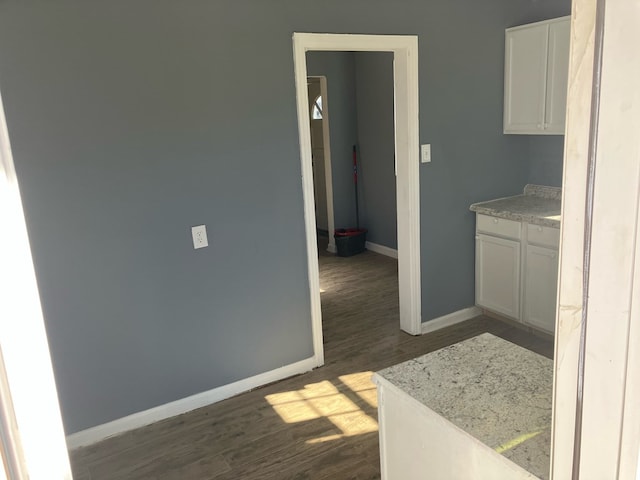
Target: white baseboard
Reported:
point(381, 249)
point(450, 319)
point(161, 412)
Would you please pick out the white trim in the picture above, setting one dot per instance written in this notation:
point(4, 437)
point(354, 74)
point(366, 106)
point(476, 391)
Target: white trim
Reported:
point(326, 149)
point(450, 319)
point(328, 175)
point(381, 249)
point(304, 129)
point(629, 454)
point(34, 436)
point(574, 182)
point(599, 249)
point(140, 419)
point(405, 78)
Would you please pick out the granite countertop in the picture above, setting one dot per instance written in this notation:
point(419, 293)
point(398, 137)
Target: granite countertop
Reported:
point(498, 392)
point(538, 205)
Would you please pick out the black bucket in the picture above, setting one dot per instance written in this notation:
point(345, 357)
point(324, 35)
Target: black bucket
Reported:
point(350, 241)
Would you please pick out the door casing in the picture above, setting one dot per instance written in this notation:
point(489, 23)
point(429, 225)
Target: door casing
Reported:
point(406, 129)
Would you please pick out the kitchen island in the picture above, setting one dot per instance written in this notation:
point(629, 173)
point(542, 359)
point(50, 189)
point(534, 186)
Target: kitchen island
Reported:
point(478, 409)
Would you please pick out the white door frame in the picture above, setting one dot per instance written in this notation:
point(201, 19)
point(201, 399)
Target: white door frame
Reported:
point(596, 427)
point(405, 81)
point(30, 420)
point(326, 147)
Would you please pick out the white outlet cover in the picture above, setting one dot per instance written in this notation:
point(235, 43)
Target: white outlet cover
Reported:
point(199, 235)
point(425, 151)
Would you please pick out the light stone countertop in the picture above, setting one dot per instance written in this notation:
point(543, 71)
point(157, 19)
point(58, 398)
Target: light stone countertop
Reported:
point(498, 392)
point(538, 205)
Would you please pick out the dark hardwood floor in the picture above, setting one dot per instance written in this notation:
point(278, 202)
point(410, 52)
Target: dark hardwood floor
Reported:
point(320, 425)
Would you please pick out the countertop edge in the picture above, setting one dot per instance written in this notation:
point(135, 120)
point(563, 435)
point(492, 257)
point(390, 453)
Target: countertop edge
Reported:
point(519, 217)
point(538, 205)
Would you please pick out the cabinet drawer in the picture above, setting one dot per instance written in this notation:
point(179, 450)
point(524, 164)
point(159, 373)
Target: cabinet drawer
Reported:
point(544, 236)
point(498, 226)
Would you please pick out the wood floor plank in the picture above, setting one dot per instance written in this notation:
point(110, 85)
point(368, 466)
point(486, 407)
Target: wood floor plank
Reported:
point(321, 425)
point(206, 467)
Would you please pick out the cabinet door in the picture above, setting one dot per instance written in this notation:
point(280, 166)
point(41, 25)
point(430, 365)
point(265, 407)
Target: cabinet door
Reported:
point(498, 275)
point(525, 78)
point(557, 77)
point(540, 287)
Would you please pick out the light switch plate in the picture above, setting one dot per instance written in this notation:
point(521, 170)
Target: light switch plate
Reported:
point(199, 234)
point(425, 153)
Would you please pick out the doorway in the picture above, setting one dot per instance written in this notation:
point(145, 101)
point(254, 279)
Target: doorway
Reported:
point(405, 80)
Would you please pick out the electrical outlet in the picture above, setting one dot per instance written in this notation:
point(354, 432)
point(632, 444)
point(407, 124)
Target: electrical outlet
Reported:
point(199, 234)
point(426, 152)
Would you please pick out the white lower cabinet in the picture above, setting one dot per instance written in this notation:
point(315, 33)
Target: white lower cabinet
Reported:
point(540, 287)
point(517, 270)
point(498, 275)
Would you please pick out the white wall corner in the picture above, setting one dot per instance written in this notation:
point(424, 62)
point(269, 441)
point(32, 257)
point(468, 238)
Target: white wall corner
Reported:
point(450, 319)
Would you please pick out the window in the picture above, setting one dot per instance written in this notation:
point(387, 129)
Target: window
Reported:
point(316, 111)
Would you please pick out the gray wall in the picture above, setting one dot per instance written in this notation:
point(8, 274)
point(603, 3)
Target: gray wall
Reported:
point(339, 68)
point(545, 152)
point(545, 160)
point(133, 120)
point(461, 116)
point(377, 181)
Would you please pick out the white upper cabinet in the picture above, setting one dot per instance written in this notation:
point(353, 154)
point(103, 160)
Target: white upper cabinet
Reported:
point(557, 77)
point(525, 79)
point(535, 80)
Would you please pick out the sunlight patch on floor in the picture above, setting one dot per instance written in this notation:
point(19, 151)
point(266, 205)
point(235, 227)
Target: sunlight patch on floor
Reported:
point(325, 400)
point(328, 438)
point(361, 384)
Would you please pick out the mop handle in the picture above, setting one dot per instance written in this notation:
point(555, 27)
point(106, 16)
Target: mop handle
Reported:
point(355, 184)
point(355, 167)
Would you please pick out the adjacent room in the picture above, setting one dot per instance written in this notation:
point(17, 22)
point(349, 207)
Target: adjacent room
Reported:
point(182, 353)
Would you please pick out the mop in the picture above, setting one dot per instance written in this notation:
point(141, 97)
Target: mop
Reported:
point(351, 241)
